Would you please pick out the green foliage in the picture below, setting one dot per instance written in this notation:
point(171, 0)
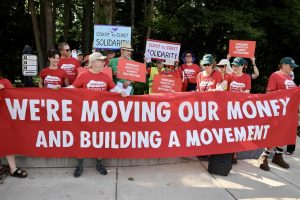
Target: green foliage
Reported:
point(204, 26)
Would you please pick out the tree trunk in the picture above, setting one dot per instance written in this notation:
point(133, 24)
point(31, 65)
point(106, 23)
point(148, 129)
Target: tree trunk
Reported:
point(67, 17)
point(87, 26)
point(43, 31)
point(150, 16)
point(132, 15)
point(49, 23)
point(36, 33)
point(104, 11)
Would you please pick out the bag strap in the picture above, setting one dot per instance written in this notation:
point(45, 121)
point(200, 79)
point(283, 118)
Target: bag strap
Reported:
point(209, 80)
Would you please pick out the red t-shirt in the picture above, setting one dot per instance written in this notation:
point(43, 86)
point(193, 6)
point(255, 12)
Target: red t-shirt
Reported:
point(206, 82)
point(70, 65)
point(82, 70)
point(189, 72)
point(53, 78)
point(238, 83)
point(279, 81)
point(91, 81)
point(6, 83)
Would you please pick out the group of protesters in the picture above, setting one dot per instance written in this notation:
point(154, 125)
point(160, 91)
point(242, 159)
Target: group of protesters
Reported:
point(87, 72)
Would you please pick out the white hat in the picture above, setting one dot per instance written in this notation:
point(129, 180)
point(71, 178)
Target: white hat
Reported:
point(169, 62)
point(126, 46)
point(226, 62)
point(95, 56)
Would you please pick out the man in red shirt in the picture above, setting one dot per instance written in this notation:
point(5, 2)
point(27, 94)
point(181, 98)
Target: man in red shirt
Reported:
point(68, 63)
point(279, 80)
point(95, 79)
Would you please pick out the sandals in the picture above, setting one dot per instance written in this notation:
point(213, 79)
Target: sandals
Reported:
point(19, 173)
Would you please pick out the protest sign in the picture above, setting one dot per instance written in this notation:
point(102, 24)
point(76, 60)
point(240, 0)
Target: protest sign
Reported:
point(162, 50)
point(132, 70)
point(111, 37)
point(240, 48)
point(165, 84)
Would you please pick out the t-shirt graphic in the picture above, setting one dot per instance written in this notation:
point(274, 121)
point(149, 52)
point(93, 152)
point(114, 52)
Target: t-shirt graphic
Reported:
point(97, 85)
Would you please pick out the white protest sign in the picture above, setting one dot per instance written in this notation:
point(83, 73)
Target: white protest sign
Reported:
point(157, 49)
point(29, 65)
point(111, 37)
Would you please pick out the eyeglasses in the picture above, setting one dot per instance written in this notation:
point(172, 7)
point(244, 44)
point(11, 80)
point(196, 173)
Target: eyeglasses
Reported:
point(206, 65)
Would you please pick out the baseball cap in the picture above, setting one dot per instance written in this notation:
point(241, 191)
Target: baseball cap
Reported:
point(290, 61)
point(238, 61)
point(207, 59)
point(95, 56)
point(126, 46)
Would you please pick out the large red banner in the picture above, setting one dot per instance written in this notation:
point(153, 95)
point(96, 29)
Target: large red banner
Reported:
point(83, 123)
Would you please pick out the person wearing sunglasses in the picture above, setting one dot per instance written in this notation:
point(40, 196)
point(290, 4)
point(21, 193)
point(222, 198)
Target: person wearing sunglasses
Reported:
point(67, 62)
point(209, 79)
point(237, 82)
point(189, 71)
point(170, 69)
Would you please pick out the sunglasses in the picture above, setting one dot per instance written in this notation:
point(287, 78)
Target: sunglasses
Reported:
point(206, 65)
point(67, 50)
point(221, 66)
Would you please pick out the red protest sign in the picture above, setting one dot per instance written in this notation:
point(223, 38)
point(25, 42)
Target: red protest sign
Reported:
point(165, 84)
point(132, 70)
point(240, 48)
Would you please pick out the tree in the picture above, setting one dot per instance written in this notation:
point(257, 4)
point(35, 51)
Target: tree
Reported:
point(67, 18)
point(49, 23)
point(36, 31)
point(87, 26)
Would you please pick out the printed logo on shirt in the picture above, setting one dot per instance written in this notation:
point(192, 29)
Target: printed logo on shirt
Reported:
point(237, 87)
point(289, 84)
point(190, 73)
point(52, 82)
point(97, 85)
point(69, 68)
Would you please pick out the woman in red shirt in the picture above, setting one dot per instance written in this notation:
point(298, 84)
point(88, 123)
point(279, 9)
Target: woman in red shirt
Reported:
point(279, 80)
point(14, 171)
point(209, 79)
point(189, 72)
point(52, 76)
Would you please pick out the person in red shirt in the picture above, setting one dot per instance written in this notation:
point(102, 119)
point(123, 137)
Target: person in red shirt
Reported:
point(209, 79)
point(189, 72)
point(237, 82)
point(14, 171)
point(94, 79)
point(68, 63)
point(279, 80)
point(170, 70)
point(52, 76)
